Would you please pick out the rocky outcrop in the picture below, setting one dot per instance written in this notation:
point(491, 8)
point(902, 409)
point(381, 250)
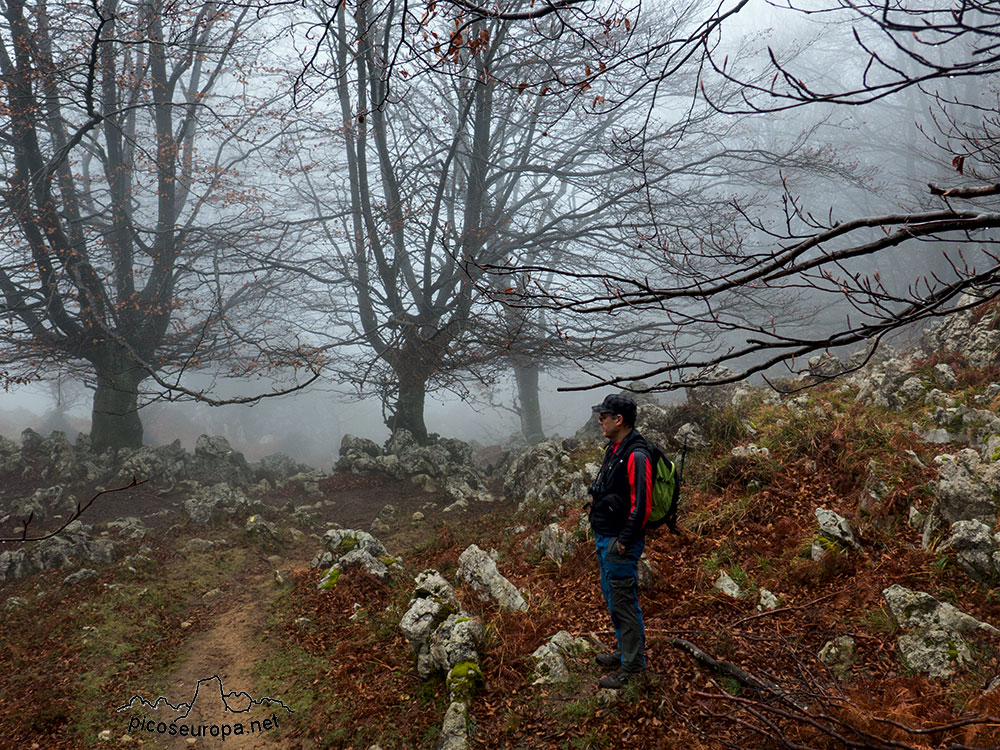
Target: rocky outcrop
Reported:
point(432, 602)
point(214, 460)
point(835, 527)
point(350, 548)
point(550, 658)
point(385, 519)
point(72, 545)
point(977, 549)
point(219, 503)
point(973, 333)
point(446, 640)
point(533, 471)
point(278, 467)
point(443, 464)
point(129, 527)
point(967, 487)
point(166, 464)
point(880, 382)
point(478, 569)
point(933, 643)
point(690, 434)
point(555, 543)
point(838, 655)
point(710, 396)
point(44, 503)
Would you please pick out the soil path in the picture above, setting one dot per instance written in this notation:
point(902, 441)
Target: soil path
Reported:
point(228, 650)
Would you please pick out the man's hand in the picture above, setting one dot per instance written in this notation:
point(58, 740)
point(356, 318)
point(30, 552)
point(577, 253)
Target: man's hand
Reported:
point(618, 546)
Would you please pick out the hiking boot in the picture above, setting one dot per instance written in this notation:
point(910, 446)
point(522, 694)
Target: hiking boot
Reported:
point(619, 679)
point(609, 661)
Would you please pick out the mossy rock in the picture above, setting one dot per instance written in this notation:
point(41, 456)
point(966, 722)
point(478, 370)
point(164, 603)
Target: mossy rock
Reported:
point(330, 578)
point(347, 544)
point(464, 681)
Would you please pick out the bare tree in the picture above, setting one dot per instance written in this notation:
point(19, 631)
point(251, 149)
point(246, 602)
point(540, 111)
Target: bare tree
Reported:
point(736, 278)
point(127, 133)
point(449, 172)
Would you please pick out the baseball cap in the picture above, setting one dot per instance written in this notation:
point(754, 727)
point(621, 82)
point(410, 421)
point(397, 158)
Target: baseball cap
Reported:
point(616, 403)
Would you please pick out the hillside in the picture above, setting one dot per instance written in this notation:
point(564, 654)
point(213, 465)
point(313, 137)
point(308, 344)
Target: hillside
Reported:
point(826, 638)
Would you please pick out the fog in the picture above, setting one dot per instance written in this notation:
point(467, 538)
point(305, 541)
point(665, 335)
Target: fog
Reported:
point(307, 425)
point(427, 237)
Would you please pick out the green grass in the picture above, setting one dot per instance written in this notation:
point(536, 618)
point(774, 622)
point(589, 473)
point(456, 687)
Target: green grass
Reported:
point(880, 621)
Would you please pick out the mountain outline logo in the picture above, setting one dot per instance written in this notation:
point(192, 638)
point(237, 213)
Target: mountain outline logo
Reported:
point(242, 696)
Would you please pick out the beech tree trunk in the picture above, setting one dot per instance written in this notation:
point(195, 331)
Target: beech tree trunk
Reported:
point(409, 411)
point(531, 410)
point(115, 418)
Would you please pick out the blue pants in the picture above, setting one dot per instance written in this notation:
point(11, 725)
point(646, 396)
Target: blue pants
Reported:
point(620, 586)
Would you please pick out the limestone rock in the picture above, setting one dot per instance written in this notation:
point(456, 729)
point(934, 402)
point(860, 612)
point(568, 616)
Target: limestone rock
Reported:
point(938, 436)
point(961, 332)
point(359, 445)
point(479, 570)
point(533, 469)
point(691, 434)
point(165, 464)
point(348, 548)
point(555, 543)
point(431, 584)
point(937, 397)
point(750, 450)
point(838, 655)
point(945, 375)
point(257, 525)
point(917, 609)
point(933, 651)
point(456, 640)
point(767, 601)
point(825, 365)
point(911, 390)
point(454, 729)
point(278, 467)
point(44, 503)
point(550, 657)
point(967, 488)
point(71, 546)
point(440, 463)
point(217, 503)
point(215, 460)
point(978, 549)
point(81, 576)
point(934, 645)
point(417, 625)
point(727, 585)
point(129, 527)
point(711, 396)
point(835, 527)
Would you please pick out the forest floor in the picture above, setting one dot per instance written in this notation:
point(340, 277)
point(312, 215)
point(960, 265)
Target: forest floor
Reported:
point(338, 660)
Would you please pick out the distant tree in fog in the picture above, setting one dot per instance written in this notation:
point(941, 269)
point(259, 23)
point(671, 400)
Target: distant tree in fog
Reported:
point(133, 237)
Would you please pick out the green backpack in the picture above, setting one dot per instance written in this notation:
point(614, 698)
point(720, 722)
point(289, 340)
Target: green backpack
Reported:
point(667, 477)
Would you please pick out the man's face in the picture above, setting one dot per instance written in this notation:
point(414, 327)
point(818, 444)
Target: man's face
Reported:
point(611, 424)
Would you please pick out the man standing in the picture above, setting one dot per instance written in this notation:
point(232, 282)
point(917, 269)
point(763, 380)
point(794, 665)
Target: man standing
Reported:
point(622, 497)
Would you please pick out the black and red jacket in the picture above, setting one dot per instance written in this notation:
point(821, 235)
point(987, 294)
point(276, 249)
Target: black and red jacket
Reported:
point(623, 490)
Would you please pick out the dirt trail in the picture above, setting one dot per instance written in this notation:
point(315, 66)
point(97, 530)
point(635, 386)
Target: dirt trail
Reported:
point(228, 650)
